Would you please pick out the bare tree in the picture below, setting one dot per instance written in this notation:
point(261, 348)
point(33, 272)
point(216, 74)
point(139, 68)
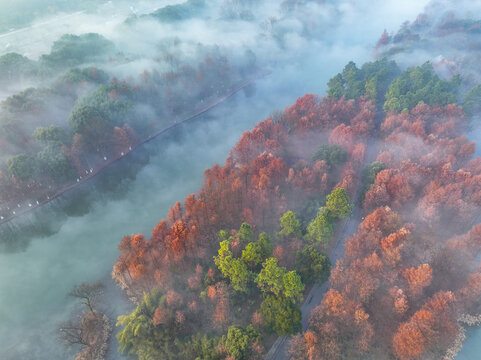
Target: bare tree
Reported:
point(77, 330)
point(73, 332)
point(89, 293)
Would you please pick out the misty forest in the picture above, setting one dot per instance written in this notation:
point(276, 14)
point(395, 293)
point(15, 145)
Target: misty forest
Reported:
point(240, 180)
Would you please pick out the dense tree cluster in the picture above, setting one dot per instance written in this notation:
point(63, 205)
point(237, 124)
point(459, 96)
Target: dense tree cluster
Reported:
point(418, 85)
point(166, 317)
point(409, 271)
point(369, 176)
point(230, 276)
point(428, 26)
point(371, 81)
point(73, 50)
point(15, 67)
point(472, 101)
point(332, 155)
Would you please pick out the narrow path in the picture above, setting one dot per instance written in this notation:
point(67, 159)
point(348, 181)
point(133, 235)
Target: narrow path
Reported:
point(279, 349)
point(27, 206)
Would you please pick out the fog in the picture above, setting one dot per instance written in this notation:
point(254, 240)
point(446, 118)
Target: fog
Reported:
point(436, 36)
point(301, 55)
point(452, 52)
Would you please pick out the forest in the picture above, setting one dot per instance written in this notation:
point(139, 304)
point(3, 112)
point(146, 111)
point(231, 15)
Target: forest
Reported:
point(402, 287)
point(242, 251)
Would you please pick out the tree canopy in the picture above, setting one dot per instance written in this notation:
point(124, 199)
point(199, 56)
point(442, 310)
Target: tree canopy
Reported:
point(312, 265)
point(290, 226)
point(278, 281)
point(239, 340)
point(139, 335)
point(73, 50)
point(281, 315)
point(370, 81)
point(420, 84)
point(179, 12)
point(53, 163)
point(319, 230)
point(234, 269)
point(89, 294)
point(368, 176)
point(332, 154)
point(50, 134)
point(338, 203)
point(22, 167)
point(472, 101)
point(14, 67)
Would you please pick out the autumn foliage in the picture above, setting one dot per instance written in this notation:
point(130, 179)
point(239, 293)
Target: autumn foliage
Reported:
point(266, 173)
point(271, 170)
point(410, 270)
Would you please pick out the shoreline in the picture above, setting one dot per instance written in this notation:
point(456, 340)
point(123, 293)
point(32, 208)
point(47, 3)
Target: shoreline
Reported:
point(31, 205)
point(464, 321)
point(97, 349)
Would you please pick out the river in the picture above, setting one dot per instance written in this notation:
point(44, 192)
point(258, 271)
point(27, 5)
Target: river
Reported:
point(472, 345)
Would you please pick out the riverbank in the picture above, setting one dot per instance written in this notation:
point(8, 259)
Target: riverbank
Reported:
point(98, 329)
point(464, 321)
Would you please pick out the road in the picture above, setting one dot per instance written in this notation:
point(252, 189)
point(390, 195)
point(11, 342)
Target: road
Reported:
point(278, 351)
point(36, 39)
point(8, 213)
